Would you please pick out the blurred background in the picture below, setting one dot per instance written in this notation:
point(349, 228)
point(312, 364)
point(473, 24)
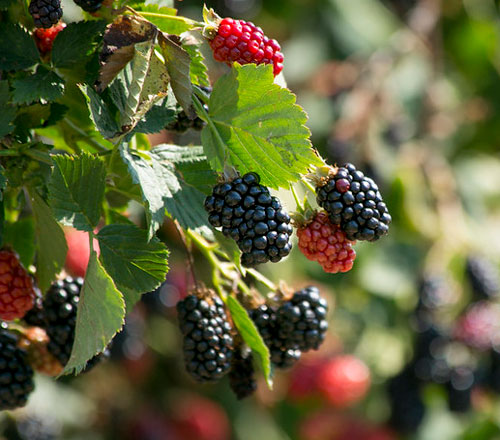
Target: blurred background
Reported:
point(407, 90)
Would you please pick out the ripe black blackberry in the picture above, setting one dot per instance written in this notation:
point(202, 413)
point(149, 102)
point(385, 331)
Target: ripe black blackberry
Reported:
point(16, 375)
point(45, 13)
point(483, 277)
point(207, 341)
point(301, 320)
point(459, 389)
point(241, 376)
point(89, 5)
point(284, 353)
point(354, 202)
point(60, 305)
point(248, 213)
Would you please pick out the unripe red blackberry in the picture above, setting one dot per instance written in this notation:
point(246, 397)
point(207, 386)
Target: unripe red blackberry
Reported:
point(16, 375)
point(17, 293)
point(479, 326)
point(207, 337)
point(243, 42)
point(44, 38)
point(354, 203)
point(45, 13)
point(324, 242)
point(60, 305)
point(241, 376)
point(89, 5)
point(301, 320)
point(483, 277)
point(283, 353)
point(248, 214)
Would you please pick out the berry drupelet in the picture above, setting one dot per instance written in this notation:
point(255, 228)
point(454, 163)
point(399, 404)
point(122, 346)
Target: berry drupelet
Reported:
point(324, 242)
point(207, 341)
point(243, 42)
point(17, 293)
point(16, 375)
point(44, 38)
point(248, 213)
point(354, 203)
point(45, 13)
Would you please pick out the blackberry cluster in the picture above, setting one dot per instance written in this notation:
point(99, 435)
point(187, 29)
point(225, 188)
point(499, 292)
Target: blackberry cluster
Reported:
point(248, 213)
point(296, 326)
point(60, 306)
point(207, 337)
point(89, 5)
point(483, 277)
point(241, 376)
point(16, 375)
point(354, 203)
point(183, 123)
point(45, 13)
point(282, 355)
point(302, 319)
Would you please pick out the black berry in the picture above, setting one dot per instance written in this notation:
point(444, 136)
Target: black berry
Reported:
point(483, 277)
point(45, 13)
point(248, 214)
point(241, 376)
point(16, 375)
point(89, 5)
point(207, 341)
point(459, 389)
point(354, 203)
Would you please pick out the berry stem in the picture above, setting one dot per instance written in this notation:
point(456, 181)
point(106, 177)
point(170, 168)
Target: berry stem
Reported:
point(264, 280)
point(201, 94)
point(300, 206)
point(308, 185)
point(84, 136)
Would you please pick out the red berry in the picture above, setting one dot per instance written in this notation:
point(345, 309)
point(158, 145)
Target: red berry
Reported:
point(242, 41)
point(344, 380)
point(325, 243)
point(304, 378)
point(479, 327)
point(17, 294)
point(78, 254)
point(44, 38)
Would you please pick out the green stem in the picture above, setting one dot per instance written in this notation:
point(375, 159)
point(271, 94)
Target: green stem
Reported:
point(308, 185)
point(85, 136)
point(9, 152)
point(299, 204)
point(259, 277)
point(169, 17)
point(201, 94)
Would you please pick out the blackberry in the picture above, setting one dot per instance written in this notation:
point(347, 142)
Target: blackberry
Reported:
point(483, 277)
point(283, 352)
point(354, 203)
point(89, 5)
point(241, 376)
point(459, 389)
point(45, 13)
point(207, 337)
point(183, 123)
point(301, 321)
point(433, 293)
point(60, 305)
point(16, 375)
point(248, 213)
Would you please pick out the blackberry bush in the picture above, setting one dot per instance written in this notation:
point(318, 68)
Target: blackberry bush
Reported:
point(354, 203)
point(207, 337)
point(248, 214)
point(16, 375)
point(45, 13)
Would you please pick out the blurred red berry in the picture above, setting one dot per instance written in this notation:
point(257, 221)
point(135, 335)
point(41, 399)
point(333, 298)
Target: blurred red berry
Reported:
point(344, 380)
point(44, 38)
point(479, 326)
point(78, 254)
point(17, 293)
point(324, 242)
point(243, 42)
point(303, 378)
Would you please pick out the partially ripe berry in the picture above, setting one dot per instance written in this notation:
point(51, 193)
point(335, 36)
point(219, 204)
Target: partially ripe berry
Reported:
point(17, 293)
point(243, 42)
point(479, 327)
point(34, 341)
point(44, 38)
point(78, 254)
point(326, 243)
point(344, 381)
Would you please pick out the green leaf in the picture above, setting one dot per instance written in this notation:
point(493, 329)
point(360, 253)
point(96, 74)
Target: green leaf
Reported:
point(251, 336)
point(44, 86)
point(99, 113)
point(5, 4)
point(198, 72)
point(75, 43)
point(18, 48)
point(101, 312)
point(21, 236)
point(8, 113)
point(156, 119)
point(178, 63)
point(76, 190)
point(132, 261)
point(50, 242)
point(255, 125)
point(163, 18)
